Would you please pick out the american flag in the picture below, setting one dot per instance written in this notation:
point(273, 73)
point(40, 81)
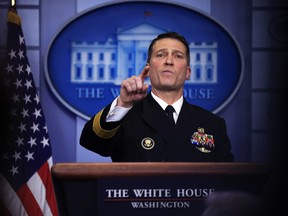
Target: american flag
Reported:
point(26, 186)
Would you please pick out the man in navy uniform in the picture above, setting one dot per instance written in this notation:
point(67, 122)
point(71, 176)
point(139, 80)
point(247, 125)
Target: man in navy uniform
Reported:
point(136, 126)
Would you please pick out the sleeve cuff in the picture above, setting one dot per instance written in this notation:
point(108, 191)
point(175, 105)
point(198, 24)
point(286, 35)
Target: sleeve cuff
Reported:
point(101, 132)
point(116, 113)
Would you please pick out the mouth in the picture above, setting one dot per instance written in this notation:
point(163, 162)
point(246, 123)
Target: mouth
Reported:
point(167, 72)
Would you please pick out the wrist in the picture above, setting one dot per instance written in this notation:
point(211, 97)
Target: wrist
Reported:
point(123, 104)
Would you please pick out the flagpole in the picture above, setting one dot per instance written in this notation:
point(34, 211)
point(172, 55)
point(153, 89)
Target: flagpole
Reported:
point(13, 3)
point(12, 16)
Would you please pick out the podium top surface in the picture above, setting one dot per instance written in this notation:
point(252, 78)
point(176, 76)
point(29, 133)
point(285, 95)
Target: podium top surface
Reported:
point(98, 170)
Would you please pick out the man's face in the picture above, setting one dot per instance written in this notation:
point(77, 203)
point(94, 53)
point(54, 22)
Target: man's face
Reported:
point(168, 65)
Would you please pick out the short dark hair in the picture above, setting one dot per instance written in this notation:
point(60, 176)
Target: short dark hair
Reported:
point(173, 35)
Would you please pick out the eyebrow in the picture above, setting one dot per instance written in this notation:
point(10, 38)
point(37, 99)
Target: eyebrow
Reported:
point(175, 50)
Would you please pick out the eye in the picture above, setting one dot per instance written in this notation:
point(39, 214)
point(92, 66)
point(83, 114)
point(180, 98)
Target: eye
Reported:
point(160, 55)
point(179, 56)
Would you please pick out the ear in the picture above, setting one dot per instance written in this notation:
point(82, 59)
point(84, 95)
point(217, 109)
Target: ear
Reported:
point(188, 73)
point(148, 73)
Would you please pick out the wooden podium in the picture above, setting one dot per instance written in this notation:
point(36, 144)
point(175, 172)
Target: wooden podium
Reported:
point(149, 188)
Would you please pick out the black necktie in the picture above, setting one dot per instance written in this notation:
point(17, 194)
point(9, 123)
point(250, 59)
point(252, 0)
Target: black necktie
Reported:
point(169, 111)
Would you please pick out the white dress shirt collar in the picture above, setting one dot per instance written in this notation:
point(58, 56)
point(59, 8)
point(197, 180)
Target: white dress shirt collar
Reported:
point(176, 105)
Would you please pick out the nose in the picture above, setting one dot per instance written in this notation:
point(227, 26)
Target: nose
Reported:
point(169, 60)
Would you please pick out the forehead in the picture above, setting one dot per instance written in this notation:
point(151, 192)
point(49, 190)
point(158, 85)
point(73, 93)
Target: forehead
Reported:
point(169, 43)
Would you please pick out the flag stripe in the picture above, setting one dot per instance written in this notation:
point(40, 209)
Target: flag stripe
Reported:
point(10, 199)
point(39, 193)
point(50, 163)
point(28, 201)
point(14, 203)
point(47, 181)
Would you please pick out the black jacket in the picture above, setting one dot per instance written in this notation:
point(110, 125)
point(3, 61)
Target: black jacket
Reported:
point(146, 135)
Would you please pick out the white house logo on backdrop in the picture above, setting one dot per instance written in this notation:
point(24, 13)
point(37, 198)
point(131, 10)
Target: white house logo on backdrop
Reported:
point(86, 65)
point(102, 62)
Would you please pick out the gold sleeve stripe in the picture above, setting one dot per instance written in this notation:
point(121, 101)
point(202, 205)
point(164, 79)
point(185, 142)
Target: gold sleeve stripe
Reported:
point(102, 133)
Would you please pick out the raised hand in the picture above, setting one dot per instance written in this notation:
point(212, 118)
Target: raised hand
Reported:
point(133, 89)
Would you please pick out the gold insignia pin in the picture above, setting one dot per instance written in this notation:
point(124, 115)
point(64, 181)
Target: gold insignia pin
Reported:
point(148, 143)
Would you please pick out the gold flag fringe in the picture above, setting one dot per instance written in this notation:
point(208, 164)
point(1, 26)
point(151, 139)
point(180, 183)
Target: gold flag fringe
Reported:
point(12, 17)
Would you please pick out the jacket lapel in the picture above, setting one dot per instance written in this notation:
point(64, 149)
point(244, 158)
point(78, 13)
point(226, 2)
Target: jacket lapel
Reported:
point(155, 117)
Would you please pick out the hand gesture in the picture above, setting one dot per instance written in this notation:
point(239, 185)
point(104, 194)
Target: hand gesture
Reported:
point(133, 89)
